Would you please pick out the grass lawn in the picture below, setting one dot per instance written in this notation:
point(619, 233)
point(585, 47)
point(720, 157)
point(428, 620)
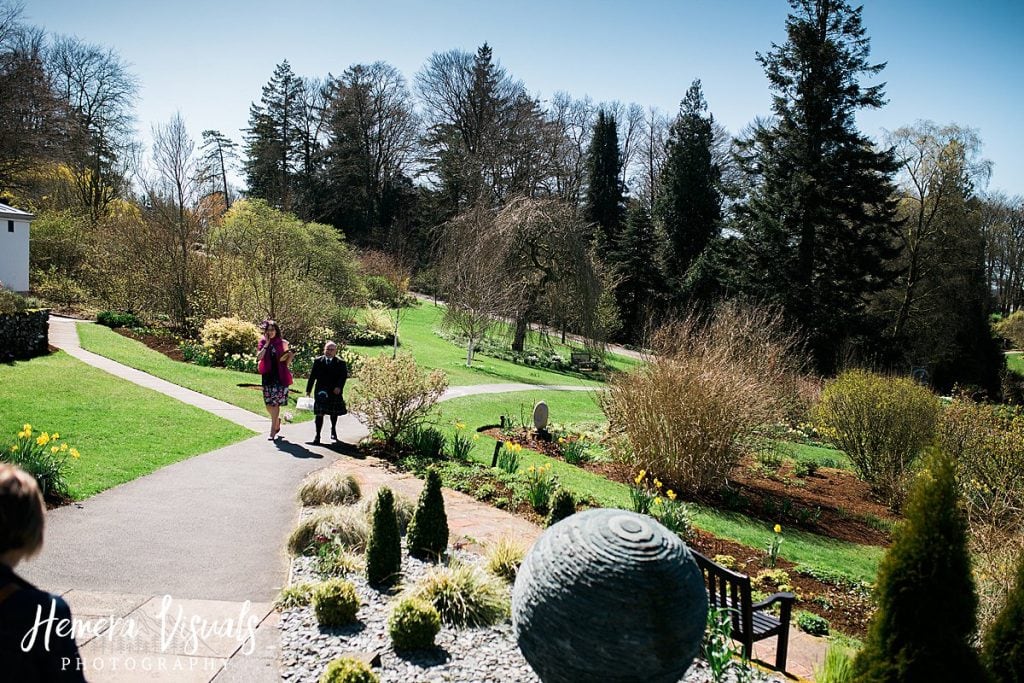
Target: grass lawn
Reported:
point(216, 382)
point(825, 457)
point(1015, 361)
point(857, 562)
point(416, 335)
point(122, 430)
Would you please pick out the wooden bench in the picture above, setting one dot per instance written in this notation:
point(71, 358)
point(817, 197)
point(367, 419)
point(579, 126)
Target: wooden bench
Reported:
point(750, 621)
point(582, 360)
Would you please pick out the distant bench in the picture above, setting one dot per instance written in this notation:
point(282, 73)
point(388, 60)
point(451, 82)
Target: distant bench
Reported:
point(750, 622)
point(582, 360)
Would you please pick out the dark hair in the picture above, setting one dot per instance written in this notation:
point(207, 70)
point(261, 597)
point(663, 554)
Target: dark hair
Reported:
point(267, 324)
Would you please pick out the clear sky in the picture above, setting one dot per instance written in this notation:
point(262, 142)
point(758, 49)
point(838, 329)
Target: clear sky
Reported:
point(948, 60)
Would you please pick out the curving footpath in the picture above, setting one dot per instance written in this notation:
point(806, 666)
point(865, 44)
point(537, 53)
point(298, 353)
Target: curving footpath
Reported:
point(210, 532)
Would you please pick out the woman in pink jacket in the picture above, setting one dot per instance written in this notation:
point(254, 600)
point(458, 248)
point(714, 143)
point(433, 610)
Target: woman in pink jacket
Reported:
point(273, 356)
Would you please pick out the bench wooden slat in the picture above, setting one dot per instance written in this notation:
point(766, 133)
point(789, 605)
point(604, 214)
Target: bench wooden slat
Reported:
point(731, 590)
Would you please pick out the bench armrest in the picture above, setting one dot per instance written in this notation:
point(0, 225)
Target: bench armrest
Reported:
point(772, 599)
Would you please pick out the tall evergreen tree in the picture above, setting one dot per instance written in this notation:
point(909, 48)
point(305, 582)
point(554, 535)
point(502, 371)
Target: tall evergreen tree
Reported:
point(273, 139)
point(636, 266)
point(219, 154)
point(816, 222)
point(926, 603)
point(689, 203)
point(604, 201)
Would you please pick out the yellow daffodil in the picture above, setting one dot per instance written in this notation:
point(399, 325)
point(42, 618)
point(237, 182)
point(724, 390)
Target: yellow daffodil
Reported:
point(460, 425)
point(54, 450)
point(671, 494)
point(640, 476)
point(75, 453)
point(27, 427)
point(14, 449)
point(530, 468)
point(778, 529)
point(561, 440)
point(54, 436)
point(657, 500)
point(43, 439)
point(24, 435)
point(63, 447)
point(657, 483)
point(476, 437)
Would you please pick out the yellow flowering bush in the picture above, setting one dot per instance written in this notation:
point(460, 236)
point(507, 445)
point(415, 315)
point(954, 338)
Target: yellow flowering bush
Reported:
point(45, 457)
point(226, 337)
point(882, 423)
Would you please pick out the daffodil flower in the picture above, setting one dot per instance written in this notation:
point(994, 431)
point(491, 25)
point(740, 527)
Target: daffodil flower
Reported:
point(54, 436)
point(657, 500)
point(778, 529)
point(43, 439)
point(27, 427)
point(75, 453)
point(671, 494)
point(54, 450)
point(657, 483)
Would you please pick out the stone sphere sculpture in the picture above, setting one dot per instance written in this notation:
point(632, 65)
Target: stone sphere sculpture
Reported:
point(609, 595)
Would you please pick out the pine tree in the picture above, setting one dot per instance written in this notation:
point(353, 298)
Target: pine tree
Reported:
point(219, 153)
point(925, 592)
point(689, 205)
point(384, 549)
point(636, 266)
point(1003, 653)
point(273, 139)
point(604, 200)
point(815, 225)
point(427, 536)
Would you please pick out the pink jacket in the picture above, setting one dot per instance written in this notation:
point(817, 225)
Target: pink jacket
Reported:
point(284, 374)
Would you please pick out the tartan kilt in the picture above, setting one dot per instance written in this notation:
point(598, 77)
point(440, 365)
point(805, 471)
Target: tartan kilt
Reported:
point(329, 404)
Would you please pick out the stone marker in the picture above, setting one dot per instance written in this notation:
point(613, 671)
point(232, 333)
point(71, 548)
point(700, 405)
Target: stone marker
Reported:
point(540, 416)
point(609, 595)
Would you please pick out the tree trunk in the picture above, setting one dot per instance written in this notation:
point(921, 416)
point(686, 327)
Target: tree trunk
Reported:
point(522, 325)
point(469, 353)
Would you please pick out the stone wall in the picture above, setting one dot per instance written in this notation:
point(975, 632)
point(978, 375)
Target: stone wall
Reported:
point(24, 335)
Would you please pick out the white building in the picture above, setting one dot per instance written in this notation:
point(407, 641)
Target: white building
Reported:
point(14, 226)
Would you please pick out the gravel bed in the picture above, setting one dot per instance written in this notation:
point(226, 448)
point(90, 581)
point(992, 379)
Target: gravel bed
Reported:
point(464, 655)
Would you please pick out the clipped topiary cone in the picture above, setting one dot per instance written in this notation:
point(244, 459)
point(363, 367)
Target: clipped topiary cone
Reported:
point(563, 506)
point(384, 549)
point(1003, 653)
point(427, 537)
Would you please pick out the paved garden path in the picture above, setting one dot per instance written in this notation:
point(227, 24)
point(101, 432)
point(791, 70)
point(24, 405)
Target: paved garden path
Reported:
point(210, 531)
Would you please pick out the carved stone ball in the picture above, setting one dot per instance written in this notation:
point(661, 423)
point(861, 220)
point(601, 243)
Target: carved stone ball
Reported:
point(609, 595)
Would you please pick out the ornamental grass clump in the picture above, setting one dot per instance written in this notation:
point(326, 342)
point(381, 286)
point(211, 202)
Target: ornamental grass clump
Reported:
point(329, 486)
point(413, 624)
point(690, 411)
point(343, 524)
point(394, 395)
point(335, 603)
point(504, 558)
point(44, 458)
point(348, 670)
point(427, 537)
point(925, 623)
point(540, 486)
point(295, 595)
point(384, 549)
point(882, 423)
point(464, 595)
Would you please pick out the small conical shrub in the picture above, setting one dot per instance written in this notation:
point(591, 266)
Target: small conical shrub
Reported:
point(384, 549)
point(564, 505)
point(925, 592)
point(427, 537)
point(1004, 643)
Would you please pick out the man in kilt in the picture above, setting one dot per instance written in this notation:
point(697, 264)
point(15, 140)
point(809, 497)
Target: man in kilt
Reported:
point(328, 378)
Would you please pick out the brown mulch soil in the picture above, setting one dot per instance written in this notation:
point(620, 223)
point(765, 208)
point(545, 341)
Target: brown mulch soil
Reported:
point(830, 502)
point(166, 345)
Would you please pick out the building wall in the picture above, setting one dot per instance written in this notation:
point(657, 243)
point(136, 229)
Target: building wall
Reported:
point(14, 255)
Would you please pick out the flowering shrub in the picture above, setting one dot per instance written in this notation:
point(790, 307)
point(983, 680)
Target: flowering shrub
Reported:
point(43, 458)
point(882, 423)
point(394, 395)
point(225, 337)
point(508, 457)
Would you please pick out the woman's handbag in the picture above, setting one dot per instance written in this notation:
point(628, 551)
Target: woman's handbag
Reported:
point(304, 403)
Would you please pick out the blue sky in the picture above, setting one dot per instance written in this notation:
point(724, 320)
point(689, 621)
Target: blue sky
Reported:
point(948, 60)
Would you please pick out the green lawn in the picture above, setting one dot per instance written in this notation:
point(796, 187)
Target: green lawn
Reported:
point(1015, 361)
point(122, 430)
point(823, 456)
point(416, 334)
point(857, 562)
point(216, 382)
